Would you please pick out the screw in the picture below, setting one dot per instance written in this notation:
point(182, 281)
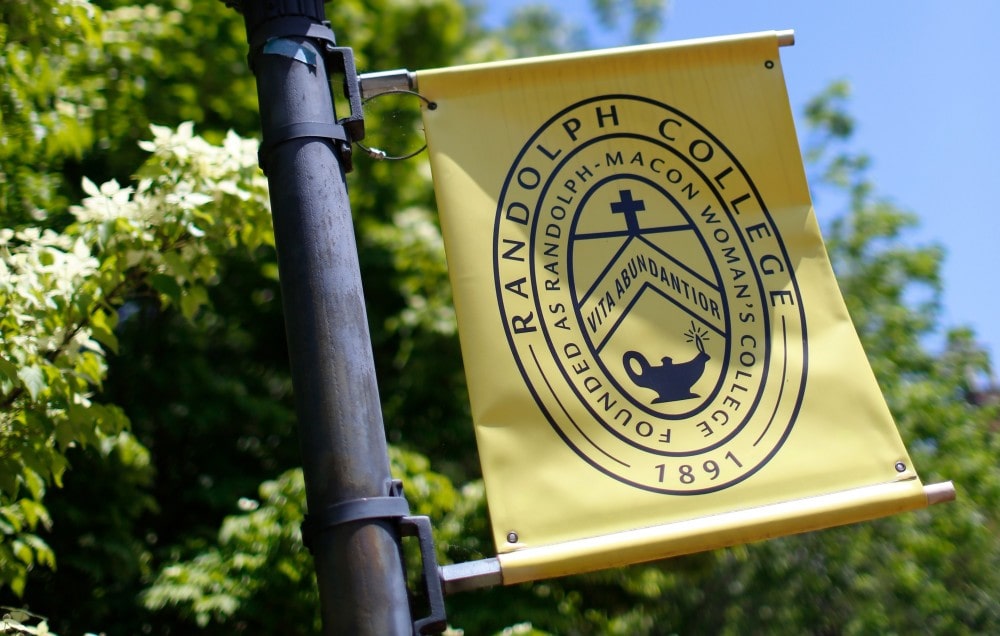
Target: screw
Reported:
point(511, 537)
point(900, 467)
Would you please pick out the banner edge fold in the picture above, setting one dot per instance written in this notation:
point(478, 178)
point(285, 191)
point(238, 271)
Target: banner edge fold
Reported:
point(720, 530)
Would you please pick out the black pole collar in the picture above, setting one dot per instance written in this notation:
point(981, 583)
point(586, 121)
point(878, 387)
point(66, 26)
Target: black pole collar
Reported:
point(393, 508)
point(389, 508)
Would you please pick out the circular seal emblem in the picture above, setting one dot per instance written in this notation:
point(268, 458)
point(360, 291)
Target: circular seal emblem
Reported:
point(647, 297)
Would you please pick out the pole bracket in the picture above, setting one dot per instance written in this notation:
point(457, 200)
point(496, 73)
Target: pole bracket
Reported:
point(316, 129)
point(437, 620)
point(338, 59)
point(394, 508)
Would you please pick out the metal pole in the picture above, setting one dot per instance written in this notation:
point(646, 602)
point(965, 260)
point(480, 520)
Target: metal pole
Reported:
point(359, 567)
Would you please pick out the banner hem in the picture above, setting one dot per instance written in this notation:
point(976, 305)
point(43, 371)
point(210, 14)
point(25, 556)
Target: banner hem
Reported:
point(716, 531)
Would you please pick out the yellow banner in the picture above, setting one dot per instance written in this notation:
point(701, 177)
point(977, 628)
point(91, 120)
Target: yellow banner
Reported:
point(658, 357)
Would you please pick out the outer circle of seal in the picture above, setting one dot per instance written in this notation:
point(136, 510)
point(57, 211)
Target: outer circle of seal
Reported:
point(647, 297)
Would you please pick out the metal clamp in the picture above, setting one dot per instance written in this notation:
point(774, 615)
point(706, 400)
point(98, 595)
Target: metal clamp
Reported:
point(393, 507)
point(353, 510)
point(316, 129)
point(290, 26)
point(341, 59)
point(437, 620)
point(338, 59)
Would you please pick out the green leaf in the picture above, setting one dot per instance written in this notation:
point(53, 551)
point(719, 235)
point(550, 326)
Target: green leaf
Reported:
point(9, 480)
point(18, 582)
point(34, 483)
point(166, 285)
point(8, 369)
point(15, 520)
point(102, 324)
point(194, 299)
point(30, 512)
point(23, 552)
point(43, 553)
point(177, 265)
point(33, 379)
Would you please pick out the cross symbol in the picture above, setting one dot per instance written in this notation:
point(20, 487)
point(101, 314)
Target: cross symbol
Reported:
point(629, 207)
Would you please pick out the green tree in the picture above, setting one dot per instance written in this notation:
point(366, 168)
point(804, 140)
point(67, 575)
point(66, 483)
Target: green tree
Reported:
point(46, 113)
point(199, 367)
point(155, 297)
point(61, 290)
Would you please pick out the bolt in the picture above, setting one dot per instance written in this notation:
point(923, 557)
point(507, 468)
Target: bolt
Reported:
point(900, 467)
point(511, 537)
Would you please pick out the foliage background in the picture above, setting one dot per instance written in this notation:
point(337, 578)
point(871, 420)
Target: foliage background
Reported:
point(148, 479)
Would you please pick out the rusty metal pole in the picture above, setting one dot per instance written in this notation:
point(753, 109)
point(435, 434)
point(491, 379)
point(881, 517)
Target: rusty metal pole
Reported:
point(356, 544)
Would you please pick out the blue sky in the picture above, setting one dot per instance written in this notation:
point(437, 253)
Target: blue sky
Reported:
point(926, 97)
